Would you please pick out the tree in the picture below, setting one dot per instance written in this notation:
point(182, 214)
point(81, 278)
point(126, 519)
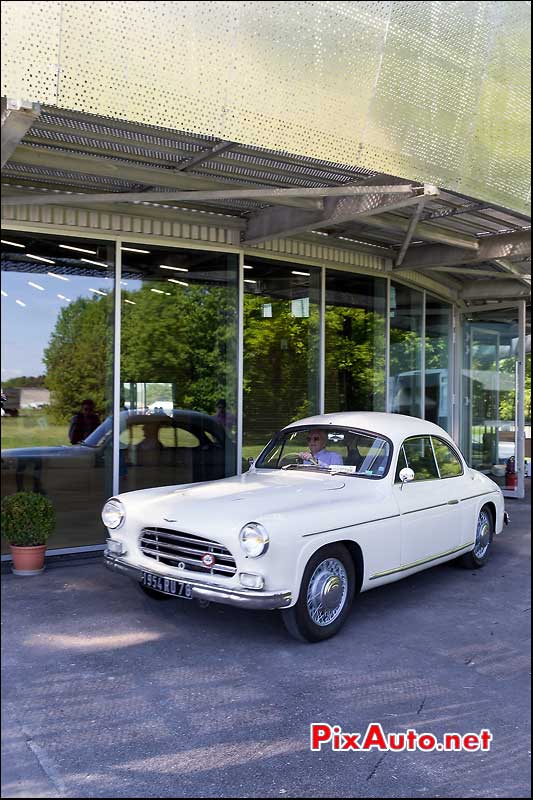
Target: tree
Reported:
point(78, 357)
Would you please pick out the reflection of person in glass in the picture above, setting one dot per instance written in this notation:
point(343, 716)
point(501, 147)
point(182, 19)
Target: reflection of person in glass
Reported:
point(148, 450)
point(225, 417)
point(83, 423)
point(317, 441)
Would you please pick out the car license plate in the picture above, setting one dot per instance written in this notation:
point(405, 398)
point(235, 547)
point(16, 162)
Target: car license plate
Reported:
point(166, 585)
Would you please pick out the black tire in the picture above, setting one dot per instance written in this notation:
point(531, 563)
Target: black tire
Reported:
point(146, 590)
point(479, 556)
point(298, 619)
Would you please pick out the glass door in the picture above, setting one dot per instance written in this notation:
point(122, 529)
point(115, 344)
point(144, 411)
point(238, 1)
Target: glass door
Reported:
point(493, 396)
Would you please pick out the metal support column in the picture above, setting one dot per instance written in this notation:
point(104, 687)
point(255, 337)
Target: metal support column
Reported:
point(520, 400)
point(387, 347)
point(240, 362)
point(423, 360)
point(322, 344)
point(117, 297)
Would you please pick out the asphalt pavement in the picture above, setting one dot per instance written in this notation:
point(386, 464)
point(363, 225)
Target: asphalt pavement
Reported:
point(107, 693)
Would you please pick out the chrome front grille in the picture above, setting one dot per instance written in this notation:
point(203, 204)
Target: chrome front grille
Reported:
point(184, 550)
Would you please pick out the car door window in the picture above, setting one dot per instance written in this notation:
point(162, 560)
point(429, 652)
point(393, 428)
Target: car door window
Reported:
point(419, 454)
point(449, 463)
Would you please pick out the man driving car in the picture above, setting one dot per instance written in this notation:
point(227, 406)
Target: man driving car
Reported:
point(317, 441)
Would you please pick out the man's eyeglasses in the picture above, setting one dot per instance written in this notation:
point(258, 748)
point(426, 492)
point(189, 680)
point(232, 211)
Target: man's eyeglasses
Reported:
point(314, 438)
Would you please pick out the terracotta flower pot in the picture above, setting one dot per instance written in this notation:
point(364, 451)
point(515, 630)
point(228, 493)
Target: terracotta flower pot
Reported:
point(28, 560)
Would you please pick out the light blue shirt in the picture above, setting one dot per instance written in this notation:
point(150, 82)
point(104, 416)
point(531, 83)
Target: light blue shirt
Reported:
point(327, 459)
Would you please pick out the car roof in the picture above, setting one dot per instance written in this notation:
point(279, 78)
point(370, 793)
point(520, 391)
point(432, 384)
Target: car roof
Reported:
point(396, 427)
point(193, 419)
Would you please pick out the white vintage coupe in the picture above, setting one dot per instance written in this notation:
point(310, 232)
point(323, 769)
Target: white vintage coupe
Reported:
point(334, 505)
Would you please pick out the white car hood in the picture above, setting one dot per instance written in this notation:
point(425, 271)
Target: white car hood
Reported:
point(254, 496)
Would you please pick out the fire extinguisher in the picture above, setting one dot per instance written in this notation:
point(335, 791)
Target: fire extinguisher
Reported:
point(511, 477)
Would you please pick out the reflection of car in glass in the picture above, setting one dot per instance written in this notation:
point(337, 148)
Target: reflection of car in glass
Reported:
point(155, 450)
point(334, 505)
point(406, 393)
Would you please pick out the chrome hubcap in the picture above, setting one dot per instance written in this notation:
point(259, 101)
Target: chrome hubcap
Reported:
point(327, 591)
point(482, 535)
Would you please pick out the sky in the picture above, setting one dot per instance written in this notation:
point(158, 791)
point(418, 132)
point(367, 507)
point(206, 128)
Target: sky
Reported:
point(27, 328)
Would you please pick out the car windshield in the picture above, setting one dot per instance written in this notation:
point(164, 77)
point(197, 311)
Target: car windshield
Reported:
point(335, 450)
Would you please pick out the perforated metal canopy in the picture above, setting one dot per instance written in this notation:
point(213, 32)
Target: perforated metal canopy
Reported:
point(54, 156)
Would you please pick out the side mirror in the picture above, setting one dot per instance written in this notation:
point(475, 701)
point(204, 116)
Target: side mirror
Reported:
point(251, 462)
point(406, 476)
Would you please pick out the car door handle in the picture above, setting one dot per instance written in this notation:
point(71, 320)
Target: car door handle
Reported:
point(453, 502)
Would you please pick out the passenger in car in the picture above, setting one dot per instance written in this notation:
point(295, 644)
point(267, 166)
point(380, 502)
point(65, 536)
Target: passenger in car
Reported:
point(149, 449)
point(317, 441)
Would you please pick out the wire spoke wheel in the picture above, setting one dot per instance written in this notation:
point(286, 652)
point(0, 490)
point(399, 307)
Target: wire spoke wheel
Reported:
point(483, 535)
point(327, 591)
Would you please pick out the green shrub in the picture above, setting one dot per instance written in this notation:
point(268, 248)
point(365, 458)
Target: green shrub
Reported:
point(28, 519)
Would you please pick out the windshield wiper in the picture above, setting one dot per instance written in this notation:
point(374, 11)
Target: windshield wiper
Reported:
point(333, 469)
point(307, 466)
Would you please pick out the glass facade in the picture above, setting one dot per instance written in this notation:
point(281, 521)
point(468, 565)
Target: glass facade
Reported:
point(406, 332)
point(281, 348)
point(355, 346)
point(438, 352)
point(179, 323)
point(57, 370)
point(489, 429)
point(214, 355)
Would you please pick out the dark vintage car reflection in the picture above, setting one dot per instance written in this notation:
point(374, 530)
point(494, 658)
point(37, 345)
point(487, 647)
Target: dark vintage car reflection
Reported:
point(155, 450)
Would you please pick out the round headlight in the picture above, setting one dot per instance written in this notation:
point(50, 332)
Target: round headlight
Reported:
point(113, 514)
point(254, 540)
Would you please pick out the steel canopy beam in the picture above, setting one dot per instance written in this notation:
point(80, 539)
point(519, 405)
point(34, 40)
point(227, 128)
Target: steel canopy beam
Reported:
point(425, 231)
point(489, 248)
point(17, 119)
point(471, 273)
point(205, 155)
point(512, 269)
point(410, 232)
point(55, 159)
point(497, 290)
point(468, 208)
point(295, 197)
point(275, 223)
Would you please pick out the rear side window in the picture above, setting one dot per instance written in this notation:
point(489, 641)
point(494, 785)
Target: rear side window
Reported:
point(419, 454)
point(447, 459)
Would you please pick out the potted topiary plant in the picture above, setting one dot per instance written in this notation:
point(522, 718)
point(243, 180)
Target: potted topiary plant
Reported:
point(28, 519)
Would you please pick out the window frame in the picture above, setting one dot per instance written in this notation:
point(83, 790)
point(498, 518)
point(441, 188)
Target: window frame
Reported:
point(456, 453)
point(401, 449)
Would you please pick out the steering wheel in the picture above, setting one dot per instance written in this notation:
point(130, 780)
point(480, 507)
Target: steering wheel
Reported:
point(290, 458)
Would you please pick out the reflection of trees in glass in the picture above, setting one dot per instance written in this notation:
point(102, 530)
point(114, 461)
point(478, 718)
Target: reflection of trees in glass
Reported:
point(508, 399)
point(280, 366)
point(25, 381)
point(78, 357)
point(355, 359)
point(187, 339)
point(404, 350)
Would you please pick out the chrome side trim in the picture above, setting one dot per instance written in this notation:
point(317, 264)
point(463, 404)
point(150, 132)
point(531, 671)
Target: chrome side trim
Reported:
point(353, 525)
point(244, 598)
point(473, 496)
point(422, 561)
point(426, 508)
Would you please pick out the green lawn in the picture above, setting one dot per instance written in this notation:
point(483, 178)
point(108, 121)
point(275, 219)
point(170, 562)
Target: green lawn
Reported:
point(32, 431)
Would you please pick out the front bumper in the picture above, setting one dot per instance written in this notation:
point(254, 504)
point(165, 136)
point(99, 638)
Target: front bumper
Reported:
point(244, 598)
